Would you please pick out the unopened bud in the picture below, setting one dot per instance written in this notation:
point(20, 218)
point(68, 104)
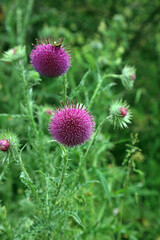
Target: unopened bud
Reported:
point(49, 111)
point(123, 111)
point(4, 145)
point(120, 114)
point(128, 76)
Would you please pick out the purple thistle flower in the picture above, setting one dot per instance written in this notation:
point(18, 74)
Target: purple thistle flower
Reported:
point(71, 125)
point(4, 145)
point(50, 58)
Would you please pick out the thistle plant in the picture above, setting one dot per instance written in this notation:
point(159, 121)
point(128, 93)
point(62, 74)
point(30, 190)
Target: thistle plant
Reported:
point(53, 188)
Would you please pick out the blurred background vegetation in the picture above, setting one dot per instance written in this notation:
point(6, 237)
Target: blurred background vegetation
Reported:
point(109, 34)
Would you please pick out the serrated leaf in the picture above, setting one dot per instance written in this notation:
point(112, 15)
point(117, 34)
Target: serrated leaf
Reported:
point(26, 181)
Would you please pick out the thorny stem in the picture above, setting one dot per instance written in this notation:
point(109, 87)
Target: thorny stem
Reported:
point(99, 84)
point(65, 85)
point(19, 160)
point(65, 161)
point(126, 180)
point(94, 136)
point(27, 99)
point(83, 158)
point(3, 218)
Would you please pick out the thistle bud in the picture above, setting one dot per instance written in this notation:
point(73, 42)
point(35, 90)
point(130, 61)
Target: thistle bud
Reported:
point(123, 111)
point(4, 145)
point(14, 54)
point(49, 111)
point(120, 114)
point(9, 143)
point(128, 76)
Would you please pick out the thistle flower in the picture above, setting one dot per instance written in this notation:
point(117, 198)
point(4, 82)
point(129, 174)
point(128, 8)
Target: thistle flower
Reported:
point(8, 143)
point(72, 124)
point(120, 114)
point(50, 58)
point(4, 145)
point(128, 76)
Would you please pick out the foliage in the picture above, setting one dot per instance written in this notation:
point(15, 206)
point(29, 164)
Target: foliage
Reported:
point(107, 188)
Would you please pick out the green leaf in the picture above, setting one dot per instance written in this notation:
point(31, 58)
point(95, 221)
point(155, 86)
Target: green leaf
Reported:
point(80, 86)
point(76, 218)
point(29, 184)
point(104, 183)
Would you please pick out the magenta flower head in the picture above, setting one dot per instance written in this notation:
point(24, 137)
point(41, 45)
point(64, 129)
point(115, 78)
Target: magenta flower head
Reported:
point(72, 124)
point(50, 58)
point(4, 145)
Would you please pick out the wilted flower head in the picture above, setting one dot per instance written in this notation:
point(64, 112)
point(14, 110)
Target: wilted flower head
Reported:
point(120, 114)
point(128, 76)
point(4, 145)
point(50, 58)
point(72, 124)
point(8, 143)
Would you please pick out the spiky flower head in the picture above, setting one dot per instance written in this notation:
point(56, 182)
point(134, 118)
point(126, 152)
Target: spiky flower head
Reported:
point(71, 124)
point(15, 54)
point(50, 58)
point(9, 144)
point(128, 76)
point(120, 114)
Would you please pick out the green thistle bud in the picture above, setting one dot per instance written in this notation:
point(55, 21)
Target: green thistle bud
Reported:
point(128, 76)
point(120, 114)
point(9, 144)
point(14, 54)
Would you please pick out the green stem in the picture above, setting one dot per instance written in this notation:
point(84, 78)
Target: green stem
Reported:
point(27, 99)
point(19, 159)
point(99, 86)
point(65, 161)
point(65, 85)
point(126, 181)
point(94, 136)
point(82, 162)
